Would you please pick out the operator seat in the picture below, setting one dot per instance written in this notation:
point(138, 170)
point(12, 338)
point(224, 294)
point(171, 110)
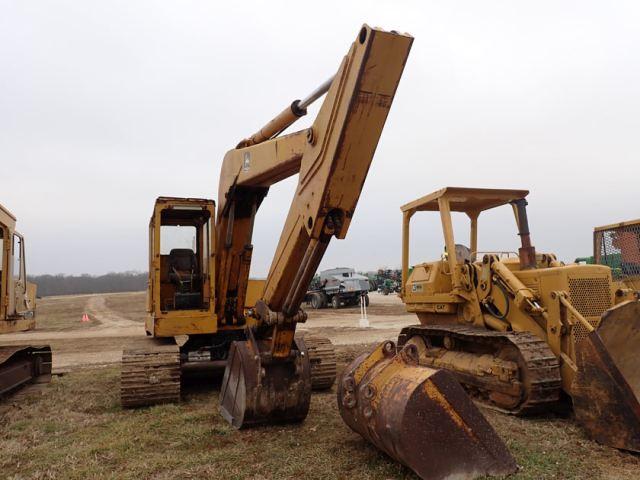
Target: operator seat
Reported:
point(463, 253)
point(183, 267)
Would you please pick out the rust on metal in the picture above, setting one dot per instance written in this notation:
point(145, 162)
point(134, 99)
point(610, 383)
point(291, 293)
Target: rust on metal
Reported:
point(419, 416)
point(520, 376)
point(605, 387)
point(150, 376)
point(23, 364)
point(322, 360)
point(257, 389)
point(619, 330)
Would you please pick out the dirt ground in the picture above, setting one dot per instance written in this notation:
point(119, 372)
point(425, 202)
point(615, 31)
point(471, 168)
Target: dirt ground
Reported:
point(116, 319)
point(75, 428)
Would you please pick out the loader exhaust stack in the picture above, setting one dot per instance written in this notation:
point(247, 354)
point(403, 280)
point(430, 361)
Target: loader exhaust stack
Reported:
point(526, 252)
point(419, 416)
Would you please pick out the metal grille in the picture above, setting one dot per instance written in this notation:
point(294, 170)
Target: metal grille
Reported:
point(591, 297)
point(619, 248)
point(579, 331)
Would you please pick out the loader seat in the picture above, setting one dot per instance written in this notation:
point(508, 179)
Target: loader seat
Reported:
point(463, 253)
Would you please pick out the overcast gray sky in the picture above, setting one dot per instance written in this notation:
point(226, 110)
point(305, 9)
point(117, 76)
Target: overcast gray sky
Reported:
point(105, 105)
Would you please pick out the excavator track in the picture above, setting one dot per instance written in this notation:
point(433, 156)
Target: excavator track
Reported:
point(150, 376)
point(538, 385)
point(22, 364)
point(322, 357)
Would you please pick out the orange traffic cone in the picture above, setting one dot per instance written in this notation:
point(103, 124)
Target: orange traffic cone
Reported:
point(85, 318)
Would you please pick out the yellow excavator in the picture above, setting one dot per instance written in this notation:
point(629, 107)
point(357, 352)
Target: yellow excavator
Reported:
point(204, 311)
point(19, 364)
point(522, 331)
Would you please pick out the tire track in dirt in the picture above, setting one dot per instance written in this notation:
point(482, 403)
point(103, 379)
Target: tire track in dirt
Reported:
point(107, 318)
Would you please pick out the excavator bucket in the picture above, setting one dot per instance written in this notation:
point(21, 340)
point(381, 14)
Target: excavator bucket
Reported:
point(258, 390)
point(606, 388)
point(419, 416)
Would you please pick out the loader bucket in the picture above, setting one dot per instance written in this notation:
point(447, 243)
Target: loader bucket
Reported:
point(606, 386)
point(256, 390)
point(419, 416)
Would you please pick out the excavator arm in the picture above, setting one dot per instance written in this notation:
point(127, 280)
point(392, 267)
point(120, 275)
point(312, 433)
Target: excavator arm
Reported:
point(332, 159)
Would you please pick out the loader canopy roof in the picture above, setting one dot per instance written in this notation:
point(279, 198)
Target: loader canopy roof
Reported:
point(465, 199)
point(628, 223)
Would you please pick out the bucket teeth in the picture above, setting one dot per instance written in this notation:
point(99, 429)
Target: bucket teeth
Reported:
point(419, 416)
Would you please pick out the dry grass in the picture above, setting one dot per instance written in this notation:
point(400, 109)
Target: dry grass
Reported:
point(61, 313)
point(131, 305)
point(75, 429)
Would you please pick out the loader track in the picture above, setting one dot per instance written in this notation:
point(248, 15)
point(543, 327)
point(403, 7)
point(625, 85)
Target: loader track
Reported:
point(537, 363)
point(150, 376)
point(322, 357)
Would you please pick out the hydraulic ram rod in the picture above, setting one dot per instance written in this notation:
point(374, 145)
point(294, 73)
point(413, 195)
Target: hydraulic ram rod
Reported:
point(287, 117)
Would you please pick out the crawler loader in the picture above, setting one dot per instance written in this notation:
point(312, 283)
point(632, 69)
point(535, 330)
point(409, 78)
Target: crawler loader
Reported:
point(522, 331)
point(19, 364)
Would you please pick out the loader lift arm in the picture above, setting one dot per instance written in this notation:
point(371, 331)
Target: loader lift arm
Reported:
point(332, 158)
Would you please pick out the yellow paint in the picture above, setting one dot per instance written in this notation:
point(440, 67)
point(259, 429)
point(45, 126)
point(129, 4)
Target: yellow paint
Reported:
point(443, 290)
point(255, 290)
point(17, 295)
point(188, 323)
point(19, 325)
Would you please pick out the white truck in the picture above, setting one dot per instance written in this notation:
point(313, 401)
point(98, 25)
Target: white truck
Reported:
point(338, 287)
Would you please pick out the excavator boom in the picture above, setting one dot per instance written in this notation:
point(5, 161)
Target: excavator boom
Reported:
point(332, 158)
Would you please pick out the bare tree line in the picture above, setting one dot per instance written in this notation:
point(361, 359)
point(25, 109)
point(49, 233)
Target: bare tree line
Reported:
point(79, 284)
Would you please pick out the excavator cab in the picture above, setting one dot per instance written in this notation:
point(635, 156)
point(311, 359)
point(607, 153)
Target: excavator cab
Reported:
point(19, 364)
point(181, 265)
point(519, 328)
point(18, 298)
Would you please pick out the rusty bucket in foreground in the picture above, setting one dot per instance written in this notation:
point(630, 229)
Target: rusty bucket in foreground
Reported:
point(258, 390)
point(419, 416)
point(606, 388)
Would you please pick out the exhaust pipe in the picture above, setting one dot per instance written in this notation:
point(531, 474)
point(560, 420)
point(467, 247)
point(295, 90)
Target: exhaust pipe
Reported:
point(527, 252)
